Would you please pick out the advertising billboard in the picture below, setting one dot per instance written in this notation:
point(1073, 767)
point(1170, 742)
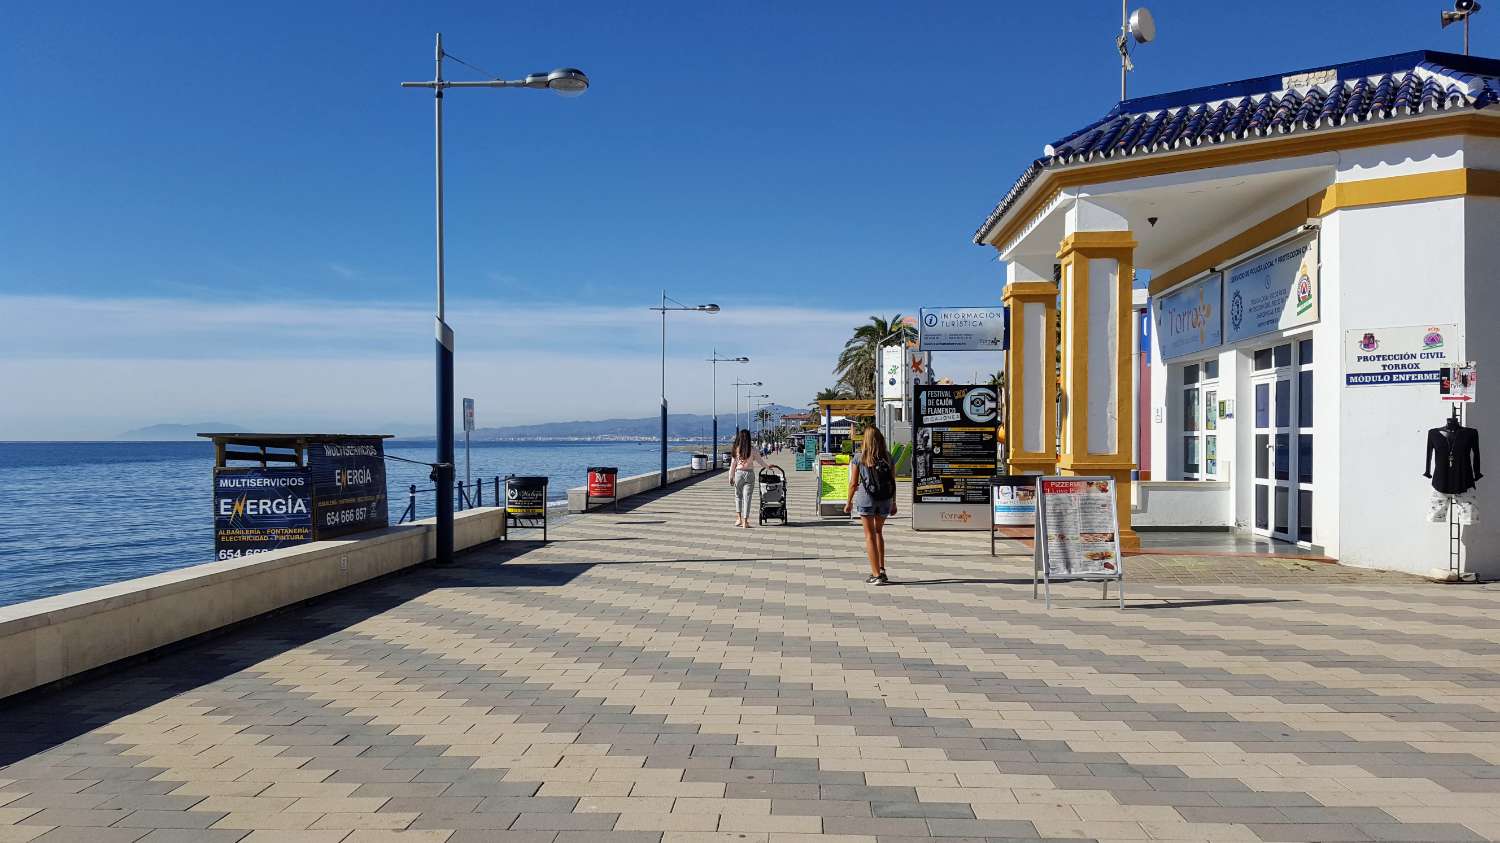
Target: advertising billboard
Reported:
point(348, 486)
point(892, 368)
point(260, 509)
point(954, 441)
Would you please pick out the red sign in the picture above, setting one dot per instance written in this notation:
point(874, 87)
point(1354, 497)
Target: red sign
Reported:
point(601, 484)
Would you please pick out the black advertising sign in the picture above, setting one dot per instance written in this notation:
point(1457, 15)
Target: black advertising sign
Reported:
point(954, 444)
point(260, 509)
point(348, 486)
point(954, 438)
point(526, 497)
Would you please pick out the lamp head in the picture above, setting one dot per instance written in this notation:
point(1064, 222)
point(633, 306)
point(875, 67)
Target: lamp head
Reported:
point(708, 308)
point(567, 81)
point(742, 359)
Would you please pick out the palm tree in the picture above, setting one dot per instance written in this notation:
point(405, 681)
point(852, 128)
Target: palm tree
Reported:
point(828, 393)
point(859, 360)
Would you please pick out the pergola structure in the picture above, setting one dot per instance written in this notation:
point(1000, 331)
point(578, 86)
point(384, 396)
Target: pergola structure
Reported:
point(849, 407)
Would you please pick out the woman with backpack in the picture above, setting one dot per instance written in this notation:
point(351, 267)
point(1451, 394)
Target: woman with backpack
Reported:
point(872, 495)
point(744, 460)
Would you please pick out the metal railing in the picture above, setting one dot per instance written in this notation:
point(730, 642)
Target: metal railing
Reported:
point(465, 496)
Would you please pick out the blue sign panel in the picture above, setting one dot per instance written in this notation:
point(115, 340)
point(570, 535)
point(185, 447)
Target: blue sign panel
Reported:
point(260, 509)
point(963, 329)
point(348, 484)
point(1189, 320)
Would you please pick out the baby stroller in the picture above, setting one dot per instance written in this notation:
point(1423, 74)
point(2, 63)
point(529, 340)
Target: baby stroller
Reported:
point(773, 494)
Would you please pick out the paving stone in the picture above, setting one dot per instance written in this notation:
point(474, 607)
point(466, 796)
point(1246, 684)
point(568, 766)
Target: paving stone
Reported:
point(654, 676)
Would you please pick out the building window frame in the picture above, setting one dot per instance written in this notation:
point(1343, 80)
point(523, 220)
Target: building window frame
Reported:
point(1197, 422)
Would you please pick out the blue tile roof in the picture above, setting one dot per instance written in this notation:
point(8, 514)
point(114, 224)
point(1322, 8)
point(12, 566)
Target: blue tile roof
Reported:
point(1379, 89)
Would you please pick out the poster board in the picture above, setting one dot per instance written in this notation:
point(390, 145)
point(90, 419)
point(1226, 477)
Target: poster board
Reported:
point(1012, 503)
point(1461, 383)
point(955, 434)
point(833, 483)
point(1077, 533)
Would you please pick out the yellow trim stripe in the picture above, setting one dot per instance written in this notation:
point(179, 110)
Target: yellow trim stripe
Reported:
point(1416, 187)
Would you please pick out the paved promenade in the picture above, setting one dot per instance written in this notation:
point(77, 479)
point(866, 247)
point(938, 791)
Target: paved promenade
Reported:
point(657, 675)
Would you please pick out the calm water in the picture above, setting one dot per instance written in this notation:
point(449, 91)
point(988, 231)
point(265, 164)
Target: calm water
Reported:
point(81, 514)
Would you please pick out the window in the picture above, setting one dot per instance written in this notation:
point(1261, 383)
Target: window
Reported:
point(1199, 420)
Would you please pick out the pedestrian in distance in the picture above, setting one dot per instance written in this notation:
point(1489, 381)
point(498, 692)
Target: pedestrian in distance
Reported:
point(872, 496)
point(744, 461)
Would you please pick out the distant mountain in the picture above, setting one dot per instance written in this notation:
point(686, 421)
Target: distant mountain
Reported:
point(679, 426)
point(177, 432)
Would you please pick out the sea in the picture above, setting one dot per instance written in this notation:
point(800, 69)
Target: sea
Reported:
point(80, 514)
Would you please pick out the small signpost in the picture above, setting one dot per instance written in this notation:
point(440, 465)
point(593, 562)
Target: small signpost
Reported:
point(1013, 501)
point(1077, 534)
point(526, 503)
point(468, 428)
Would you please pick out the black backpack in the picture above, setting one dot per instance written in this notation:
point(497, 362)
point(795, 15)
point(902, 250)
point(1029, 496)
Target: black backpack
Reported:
point(878, 480)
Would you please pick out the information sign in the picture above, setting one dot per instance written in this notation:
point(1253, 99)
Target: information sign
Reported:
point(963, 329)
point(1272, 291)
point(260, 509)
point(348, 486)
point(1401, 355)
point(1077, 532)
point(468, 415)
point(954, 441)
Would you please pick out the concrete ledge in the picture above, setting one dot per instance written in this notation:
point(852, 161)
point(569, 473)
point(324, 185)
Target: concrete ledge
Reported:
point(1181, 504)
point(627, 487)
point(43, 641)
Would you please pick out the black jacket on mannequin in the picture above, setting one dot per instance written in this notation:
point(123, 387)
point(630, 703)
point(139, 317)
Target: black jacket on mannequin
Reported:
point(1453, 458)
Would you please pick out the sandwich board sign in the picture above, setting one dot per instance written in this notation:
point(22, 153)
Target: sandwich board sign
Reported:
point(1077, 534)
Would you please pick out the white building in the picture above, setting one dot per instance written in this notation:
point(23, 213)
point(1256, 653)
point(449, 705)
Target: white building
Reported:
point(1318, 243)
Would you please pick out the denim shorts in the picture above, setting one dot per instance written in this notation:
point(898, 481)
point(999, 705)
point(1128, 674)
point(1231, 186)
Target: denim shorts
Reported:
point(880, 508)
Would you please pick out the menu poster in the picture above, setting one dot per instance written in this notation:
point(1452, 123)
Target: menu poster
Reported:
point(1077, 528)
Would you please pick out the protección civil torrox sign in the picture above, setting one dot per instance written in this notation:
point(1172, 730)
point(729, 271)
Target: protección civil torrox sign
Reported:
point(1400, 355)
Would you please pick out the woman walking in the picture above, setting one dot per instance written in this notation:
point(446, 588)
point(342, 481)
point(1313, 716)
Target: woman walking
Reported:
point(743, 463)
point(872, 495)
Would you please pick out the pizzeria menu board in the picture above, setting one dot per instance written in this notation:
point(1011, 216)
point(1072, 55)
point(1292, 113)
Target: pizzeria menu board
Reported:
point(954, 440)
point(1077, 528)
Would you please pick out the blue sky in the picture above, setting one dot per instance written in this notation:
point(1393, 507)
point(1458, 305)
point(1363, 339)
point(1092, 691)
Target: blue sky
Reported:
point(199, 196)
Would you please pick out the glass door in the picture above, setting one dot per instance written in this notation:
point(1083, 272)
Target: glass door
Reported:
point(1273, 431)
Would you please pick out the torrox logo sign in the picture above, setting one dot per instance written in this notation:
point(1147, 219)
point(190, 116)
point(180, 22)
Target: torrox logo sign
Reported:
point(961, 517)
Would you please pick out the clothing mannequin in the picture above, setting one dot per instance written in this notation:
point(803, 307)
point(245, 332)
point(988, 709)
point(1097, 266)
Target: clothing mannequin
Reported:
point(1453, 451)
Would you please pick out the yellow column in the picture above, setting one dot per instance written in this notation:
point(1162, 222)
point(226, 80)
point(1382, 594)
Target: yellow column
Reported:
point(1031, 377)
point(1096, 345)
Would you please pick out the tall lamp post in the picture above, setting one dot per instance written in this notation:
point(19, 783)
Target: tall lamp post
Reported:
point(716, 360)
point(566, 81)
point(749, 414)
point(668, 303)
point(737, 385)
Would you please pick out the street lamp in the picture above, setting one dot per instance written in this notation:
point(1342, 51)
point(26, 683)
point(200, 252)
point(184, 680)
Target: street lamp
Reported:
point(665, 306)
point(716, 360)
point(566, 81)
point(737, 385)
point(748, 411)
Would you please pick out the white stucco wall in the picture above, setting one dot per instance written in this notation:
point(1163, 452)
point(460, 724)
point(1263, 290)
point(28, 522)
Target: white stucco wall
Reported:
point(1394, 265)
